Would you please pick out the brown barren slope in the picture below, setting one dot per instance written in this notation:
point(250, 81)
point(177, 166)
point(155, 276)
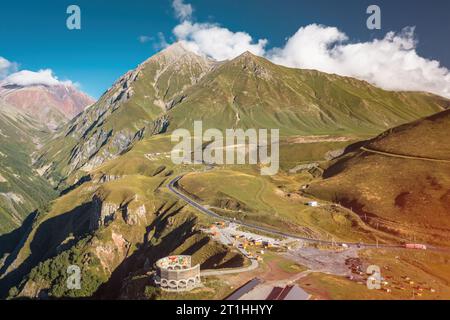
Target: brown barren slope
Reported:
point(406, 197)
point(423, 138)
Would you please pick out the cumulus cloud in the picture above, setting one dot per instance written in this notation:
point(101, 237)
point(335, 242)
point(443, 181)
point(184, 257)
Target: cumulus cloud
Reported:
point(183, 11)
point(391, 63)
point(29, 78)
point(10, 75)
point(6, 67)
point(217, 42)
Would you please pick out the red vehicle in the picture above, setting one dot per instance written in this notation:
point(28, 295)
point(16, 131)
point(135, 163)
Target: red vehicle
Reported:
point(416, 246)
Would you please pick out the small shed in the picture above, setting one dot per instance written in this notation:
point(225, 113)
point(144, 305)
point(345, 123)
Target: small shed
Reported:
point(312, 204)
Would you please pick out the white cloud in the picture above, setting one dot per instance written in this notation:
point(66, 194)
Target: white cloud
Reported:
point(6, 67)
point(161, 43)
point(29, 78)
point(182, 10)
point(391, 63)
point(212, 40)
point(145, 39)
point(10, 75)
point(158, 43)
point(217, 42)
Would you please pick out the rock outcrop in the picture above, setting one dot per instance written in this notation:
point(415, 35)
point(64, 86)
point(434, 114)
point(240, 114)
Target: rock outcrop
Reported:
point(102, 213)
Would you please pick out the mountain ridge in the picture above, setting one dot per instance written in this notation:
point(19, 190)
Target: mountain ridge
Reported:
point(175, 87)
point(111, 163)
point(51, 105)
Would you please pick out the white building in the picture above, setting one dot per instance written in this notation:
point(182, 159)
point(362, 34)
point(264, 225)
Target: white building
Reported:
point(313, 204)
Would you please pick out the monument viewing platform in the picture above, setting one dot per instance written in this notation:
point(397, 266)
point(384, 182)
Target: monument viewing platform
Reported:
point(175, 273)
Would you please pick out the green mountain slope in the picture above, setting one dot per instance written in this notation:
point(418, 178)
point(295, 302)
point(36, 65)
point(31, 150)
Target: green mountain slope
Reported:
point(176, 87)
point(250, 92)
point(22, 189)
point(133, 107)
point(114, 226)
point(114, 216)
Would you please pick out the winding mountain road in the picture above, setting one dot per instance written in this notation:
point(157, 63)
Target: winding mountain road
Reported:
point(172, 186)
point(207, 273)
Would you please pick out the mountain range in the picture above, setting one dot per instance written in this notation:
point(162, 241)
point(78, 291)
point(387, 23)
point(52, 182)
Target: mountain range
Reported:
point(108, 165)
point(176, 87)
point(51, 105)
point(28, 116)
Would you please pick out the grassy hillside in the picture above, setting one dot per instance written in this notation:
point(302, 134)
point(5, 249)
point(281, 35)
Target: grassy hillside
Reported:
point(114, 226)
point(425, 138)
point(99, 223)
point(410, 275)
point(126, 113)
point(250, 197)
point(22, 189)
point(406, 197)
point(251, 92)
point(176, 87)
point(115, 217)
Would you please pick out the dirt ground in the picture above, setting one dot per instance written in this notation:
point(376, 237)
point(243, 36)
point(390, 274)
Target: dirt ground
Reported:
point(405, 275)
point(341, 275)
point(325, 261)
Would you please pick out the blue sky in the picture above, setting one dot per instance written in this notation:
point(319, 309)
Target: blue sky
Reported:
point(35, 36)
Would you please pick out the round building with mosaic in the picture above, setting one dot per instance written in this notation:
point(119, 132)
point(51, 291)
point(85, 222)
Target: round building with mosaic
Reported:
point(175, 273)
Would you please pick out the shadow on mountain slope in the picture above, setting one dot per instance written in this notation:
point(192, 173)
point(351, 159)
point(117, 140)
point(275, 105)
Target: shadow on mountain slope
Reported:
point(11, 242)
point(47, 241)
point(147, 255)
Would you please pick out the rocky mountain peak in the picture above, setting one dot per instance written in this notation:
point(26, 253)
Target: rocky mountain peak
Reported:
point(178, 48)
point(179, 55)
point(253, 64)
point(247, 56)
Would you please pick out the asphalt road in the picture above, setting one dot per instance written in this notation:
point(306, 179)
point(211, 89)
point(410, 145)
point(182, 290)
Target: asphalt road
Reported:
point(172, 187)
point(254, 265)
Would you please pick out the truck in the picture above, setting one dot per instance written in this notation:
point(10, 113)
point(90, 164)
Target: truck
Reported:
point(415, 246)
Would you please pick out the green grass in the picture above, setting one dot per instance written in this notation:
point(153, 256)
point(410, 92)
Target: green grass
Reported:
point(172, 230)
point(284, 264)
point(18, 177)
point(298, 102)
point(266, 204)
point(248, 92)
